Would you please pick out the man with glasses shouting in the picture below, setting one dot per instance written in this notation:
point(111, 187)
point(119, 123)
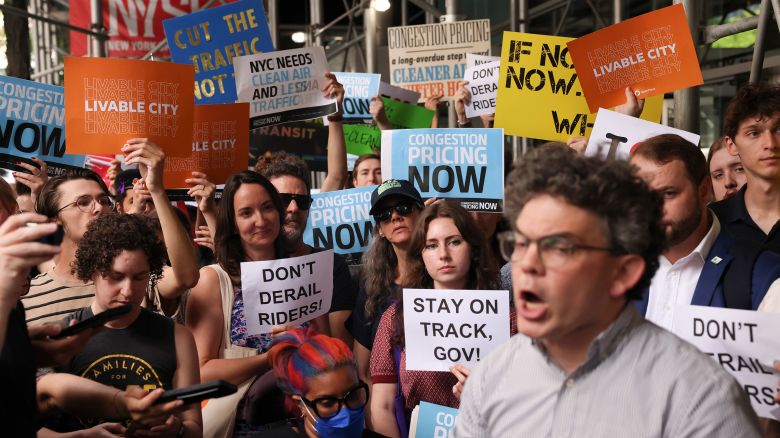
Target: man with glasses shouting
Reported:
point(585, 240)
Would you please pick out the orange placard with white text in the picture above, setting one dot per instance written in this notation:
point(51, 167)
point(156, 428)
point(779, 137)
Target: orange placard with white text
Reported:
point(652, 53)
point(108, 101)
point(220, 145)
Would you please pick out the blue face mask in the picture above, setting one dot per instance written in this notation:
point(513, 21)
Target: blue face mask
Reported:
point(348, 423)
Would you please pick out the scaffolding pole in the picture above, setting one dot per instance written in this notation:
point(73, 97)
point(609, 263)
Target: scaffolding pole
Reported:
point(686, 102)
point(759, 47)
point(273, 21)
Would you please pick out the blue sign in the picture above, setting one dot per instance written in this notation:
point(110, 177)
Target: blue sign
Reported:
point(340, 221)
point(435, 421)
point(211, 38)
point(32, 124)
point(359, 88)
point(466, 165)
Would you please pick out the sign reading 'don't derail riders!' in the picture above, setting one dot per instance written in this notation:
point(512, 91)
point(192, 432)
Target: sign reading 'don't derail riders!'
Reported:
point(283, 86)
point(652, 53)
point(431, 58)
point(108, 101)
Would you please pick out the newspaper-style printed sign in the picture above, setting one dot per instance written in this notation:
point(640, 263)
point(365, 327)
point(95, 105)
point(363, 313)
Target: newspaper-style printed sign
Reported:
point(615, 135)
point(465, 165)
point(434, 421)
point(340, 221)
point(209, 40)
point(483, 84)
point(359, 88)
point(220, 145)
point(286, 291)
point(32, 124)
point(431, 58)
point(652, 53)
point(306, 139)
point(108, 101)
point(473, 60)
point(398, 93)
point(283, 86)
point(745, 343)
point(443, 327)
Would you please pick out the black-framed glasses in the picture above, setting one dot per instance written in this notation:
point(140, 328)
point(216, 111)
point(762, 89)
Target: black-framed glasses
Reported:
point(303, 201)
point(86, 203)
point(553, 251)
point(326, 407)
point(403, 209)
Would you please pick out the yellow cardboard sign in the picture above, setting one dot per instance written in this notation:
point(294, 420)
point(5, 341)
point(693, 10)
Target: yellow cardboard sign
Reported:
point(539, 94)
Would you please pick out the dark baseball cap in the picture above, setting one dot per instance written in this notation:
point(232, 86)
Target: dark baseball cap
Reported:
point(394, 187)
point(124, 180)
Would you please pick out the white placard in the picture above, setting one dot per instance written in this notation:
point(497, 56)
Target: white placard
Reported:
point(473, 60)
point(745, 343)
point(286, 291)
point(614, 135)
point(443, 327)
point(398, 93)
point(483, 84)
point(283, 86)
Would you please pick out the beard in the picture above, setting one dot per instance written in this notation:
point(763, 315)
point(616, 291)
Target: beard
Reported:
point(677, 232)
point(292, 229)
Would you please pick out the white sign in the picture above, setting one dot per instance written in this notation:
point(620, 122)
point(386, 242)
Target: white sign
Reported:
point(473, 60)
point(443, 327)
point(483, 83)
point(286, 291)
point(745, 343)
point(614, 134)
point(398, 93)
point(283, 86)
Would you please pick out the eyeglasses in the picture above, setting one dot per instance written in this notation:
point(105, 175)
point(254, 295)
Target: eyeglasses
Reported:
point(553, 251)
point(386, 214)
point(327, 407)
point(86, 203)
point(303, 201)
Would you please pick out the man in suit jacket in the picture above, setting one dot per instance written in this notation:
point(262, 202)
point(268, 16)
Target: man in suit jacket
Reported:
point(693, 266)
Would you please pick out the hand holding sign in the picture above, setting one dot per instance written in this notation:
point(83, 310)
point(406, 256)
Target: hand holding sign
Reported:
point(203, 191)
point(377, 109)
point(462, 373)
point(150, 159)
point(633, 106)
point(35, 179)
point(334, 90)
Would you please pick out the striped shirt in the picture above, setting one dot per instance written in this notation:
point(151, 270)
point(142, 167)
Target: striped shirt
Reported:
point(52, 297)
point(638, 380)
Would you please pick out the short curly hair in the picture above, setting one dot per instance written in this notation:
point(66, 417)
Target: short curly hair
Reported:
point(752, 100)
point(629, 210)
point(109, 235)
point(284, 164)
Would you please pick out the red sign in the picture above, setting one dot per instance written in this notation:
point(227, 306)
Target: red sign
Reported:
point(134, 26)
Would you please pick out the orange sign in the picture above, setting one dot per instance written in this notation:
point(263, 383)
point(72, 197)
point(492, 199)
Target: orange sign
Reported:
point(108, 101)
point(220, 145)
point(652, 53)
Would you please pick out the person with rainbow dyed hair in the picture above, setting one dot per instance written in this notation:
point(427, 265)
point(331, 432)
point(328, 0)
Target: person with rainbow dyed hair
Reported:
point(319, 375)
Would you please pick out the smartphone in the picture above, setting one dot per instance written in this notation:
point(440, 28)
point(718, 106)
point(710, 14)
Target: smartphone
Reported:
point(54, 238)
point(198, 393)
point(95, 321)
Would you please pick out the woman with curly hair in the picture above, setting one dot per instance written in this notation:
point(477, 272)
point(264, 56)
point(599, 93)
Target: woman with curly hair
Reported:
point(122, 255)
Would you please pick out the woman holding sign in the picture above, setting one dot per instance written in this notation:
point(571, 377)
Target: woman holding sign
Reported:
point(446, 252)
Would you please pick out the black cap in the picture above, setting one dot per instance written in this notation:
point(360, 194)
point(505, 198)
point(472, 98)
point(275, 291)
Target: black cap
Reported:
point(394, 187)
point(124, 180)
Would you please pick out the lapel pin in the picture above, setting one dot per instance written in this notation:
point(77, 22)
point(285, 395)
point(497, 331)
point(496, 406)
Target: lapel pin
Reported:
point(716, 260)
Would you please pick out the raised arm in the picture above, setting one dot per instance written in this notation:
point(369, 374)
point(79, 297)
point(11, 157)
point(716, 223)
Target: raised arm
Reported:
point(337, 146)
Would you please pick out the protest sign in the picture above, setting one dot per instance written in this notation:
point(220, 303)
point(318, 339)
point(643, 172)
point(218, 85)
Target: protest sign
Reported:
point(32, 124)
point(307, 140)
point(283, 86)
point(443, 327)
point(407, 115)
point(473, 60)
point(431, 58)
point(449, 163)
point(211, 38)
point(108, 101)
point(361, 139)
point(286, 291)
point(433, 421)
point(359, 88)
point(220, 145)
point(340, 221)
point(743, 342)
point(539, 95)
point(615, 135)
point(483, 83)
point(652, 53)
point(398, 93)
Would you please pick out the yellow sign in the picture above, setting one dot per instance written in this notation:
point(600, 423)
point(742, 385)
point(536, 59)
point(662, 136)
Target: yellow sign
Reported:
point(539, 95)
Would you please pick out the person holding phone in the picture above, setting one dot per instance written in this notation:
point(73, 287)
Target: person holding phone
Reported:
point(140, 350)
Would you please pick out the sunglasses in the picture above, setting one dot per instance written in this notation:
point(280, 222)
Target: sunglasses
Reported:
point(386, 214)
point(303, 201)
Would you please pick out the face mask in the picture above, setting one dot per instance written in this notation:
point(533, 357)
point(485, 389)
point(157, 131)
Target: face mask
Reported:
point(348, 423)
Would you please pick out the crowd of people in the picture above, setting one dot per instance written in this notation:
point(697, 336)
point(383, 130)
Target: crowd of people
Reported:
point(597, 256)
